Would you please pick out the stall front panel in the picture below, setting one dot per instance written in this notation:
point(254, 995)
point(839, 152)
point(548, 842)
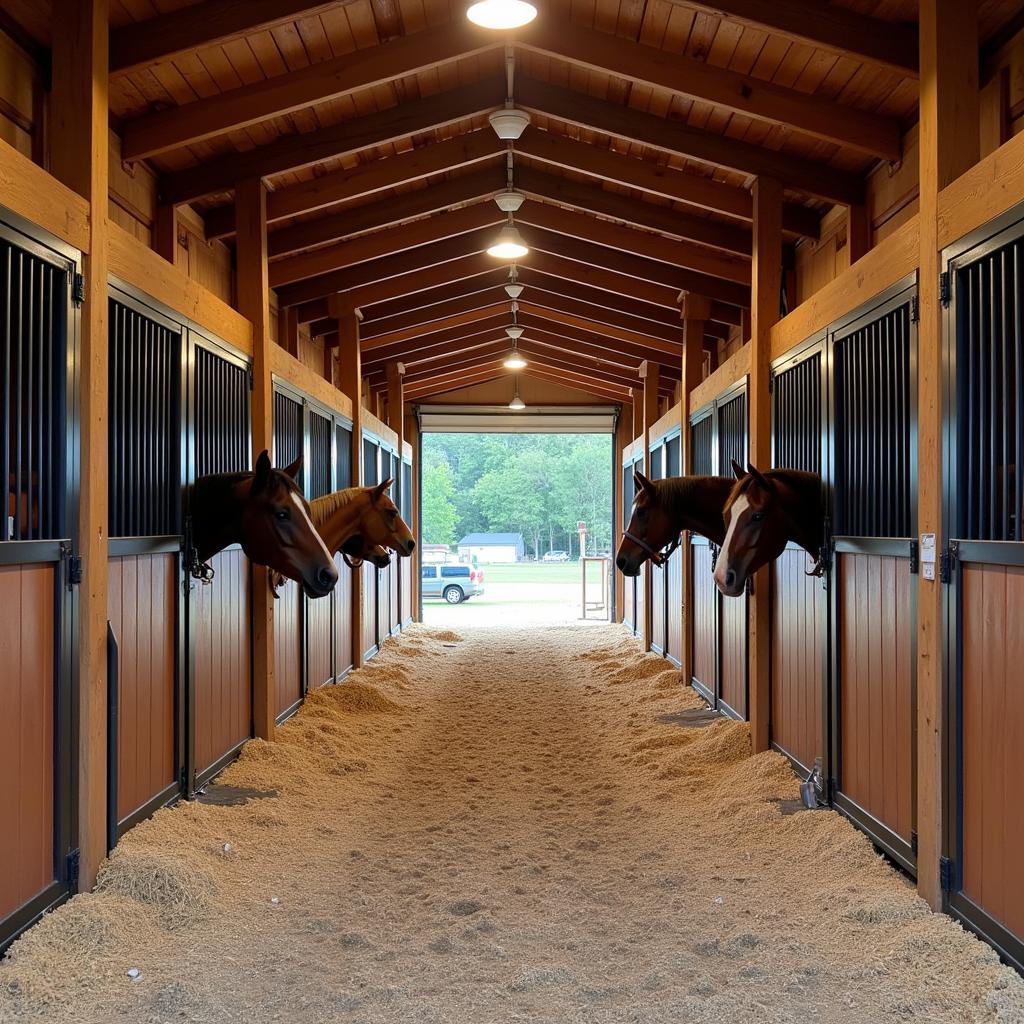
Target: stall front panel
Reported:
point(704, 600)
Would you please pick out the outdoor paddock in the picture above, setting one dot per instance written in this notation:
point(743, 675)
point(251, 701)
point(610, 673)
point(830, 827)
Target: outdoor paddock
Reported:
point(448, 839)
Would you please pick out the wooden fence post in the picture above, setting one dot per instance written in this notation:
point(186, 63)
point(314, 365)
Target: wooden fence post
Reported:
point(949, 145)
point(766, 280)
point(350, 381)
point(254, 304)
point(80, 158)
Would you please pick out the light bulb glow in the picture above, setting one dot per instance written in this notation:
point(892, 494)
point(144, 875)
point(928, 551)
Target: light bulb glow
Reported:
point(514, 360)
point(509, 244)
point(501, 14)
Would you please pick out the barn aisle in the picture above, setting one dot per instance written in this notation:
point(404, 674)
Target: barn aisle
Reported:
point(506, 826)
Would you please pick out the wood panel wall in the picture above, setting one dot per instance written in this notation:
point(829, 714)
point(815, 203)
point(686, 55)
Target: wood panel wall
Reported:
point(993, 740)
point(395, 603)
point(26, 733)
point(143, 597)
point(733, 645)
point(343, 646)
point(406, 565)
point(288, 646)
point(319, 623)
point(674, 587)
point(703, 616)
point(657, 608)
point(876, 701)
point(369, 619)
point(629, 603)
point(796, 664)
point(223, 668)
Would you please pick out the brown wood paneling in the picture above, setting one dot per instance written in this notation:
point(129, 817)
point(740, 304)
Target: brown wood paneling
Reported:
point(733, 646)
point(657, 607)
point(396, 610)
point(876, 709)
point(288, 646)
point(319, 661)
point(704, 605)
point(26, 733)
point(223, 670)
point(641, 601)
point(343, 647)
point(369, 623)
point(142, 596)
point(674, 583)
point(797, 685)
point(993, 740)
point(383, 603)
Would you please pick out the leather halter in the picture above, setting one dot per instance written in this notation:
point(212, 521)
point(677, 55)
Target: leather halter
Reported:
point(659, 558)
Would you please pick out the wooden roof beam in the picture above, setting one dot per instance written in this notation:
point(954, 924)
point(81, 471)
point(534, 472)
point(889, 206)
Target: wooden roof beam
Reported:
point(891, 45)
point(813, 115)
point(426, 303)
point(547, 147)
point(363, 180)
point(678, 138)
point(292, 152)
point(461, 380)
point(145, 43)
point(279, 95)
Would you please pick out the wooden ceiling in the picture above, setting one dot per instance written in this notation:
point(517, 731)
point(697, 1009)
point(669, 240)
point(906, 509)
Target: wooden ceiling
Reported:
point(650, 119)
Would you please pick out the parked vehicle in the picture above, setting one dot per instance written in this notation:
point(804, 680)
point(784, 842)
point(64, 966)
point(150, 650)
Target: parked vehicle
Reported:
point(556, 556)
point(455, 583)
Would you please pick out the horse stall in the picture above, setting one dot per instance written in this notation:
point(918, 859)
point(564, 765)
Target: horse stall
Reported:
point(405, 565)
point(718, 435)
point(658, 608)
point(667, 580)
point(982, 560)
point(38, 424)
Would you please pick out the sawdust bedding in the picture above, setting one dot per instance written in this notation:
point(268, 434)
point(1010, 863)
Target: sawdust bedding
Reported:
point(496, 828)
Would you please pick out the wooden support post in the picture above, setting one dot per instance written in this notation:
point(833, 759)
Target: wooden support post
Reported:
point(696, 311)
point(288, 330)
point(80, 158)
point(949, 145)
point(764, 312)
point(637, 394)
point(412, 435)
point(649, 373)
point(329, 363)
point(165, 232)
point(254, 304)
point(623, 438)
point(350, 382)
point(858, 232)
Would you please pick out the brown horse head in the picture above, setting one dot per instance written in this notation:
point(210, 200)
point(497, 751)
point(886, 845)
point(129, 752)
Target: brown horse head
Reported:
point(276, 531)
point(764, 512)
point(652, 527)
point(356, 549)
point(382, 524)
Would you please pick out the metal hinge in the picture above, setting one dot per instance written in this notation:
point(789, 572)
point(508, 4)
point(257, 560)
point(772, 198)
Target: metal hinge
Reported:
point(73, 571)
point(948, 875)
point(944, 288)
point(914, 558)
point(913, 842)
point(78, 289)
point(947, 562)
point(915, 312)
point(71, 864)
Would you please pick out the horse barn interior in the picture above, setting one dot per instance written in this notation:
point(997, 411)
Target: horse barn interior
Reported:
point(783, 234)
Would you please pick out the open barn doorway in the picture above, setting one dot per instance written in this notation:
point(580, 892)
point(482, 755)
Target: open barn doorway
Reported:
point(515, 515)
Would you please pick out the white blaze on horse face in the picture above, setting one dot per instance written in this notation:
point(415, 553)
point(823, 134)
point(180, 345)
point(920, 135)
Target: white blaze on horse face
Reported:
point(739, 506)
point(305, 515)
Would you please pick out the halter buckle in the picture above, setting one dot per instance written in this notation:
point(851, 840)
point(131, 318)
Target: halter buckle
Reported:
point(658, 558)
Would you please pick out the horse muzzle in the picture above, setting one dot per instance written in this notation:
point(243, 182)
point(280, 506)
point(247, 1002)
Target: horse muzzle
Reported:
point(322, 582)
point(729, 582)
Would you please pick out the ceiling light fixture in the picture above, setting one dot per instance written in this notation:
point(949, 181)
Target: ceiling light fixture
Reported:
point(509, 123)
point(501, 15)
point(513, 289)
point(509, 201)
point(509, 244)
point(517, 403)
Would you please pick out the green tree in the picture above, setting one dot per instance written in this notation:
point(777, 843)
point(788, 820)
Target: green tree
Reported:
point(439, 519)
point(509, 502)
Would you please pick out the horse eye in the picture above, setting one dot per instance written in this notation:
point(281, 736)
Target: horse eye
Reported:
point(757, 517)
point(282, 514)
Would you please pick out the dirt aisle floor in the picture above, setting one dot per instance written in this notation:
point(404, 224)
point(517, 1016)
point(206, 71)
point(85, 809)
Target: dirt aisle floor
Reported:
point(495, 829)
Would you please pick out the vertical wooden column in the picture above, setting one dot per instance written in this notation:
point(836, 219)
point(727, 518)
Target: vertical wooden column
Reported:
point(649, 373)
point(254, 304)
point(288, 330)
point(696, 313)
point(766, 279)
point(949, 145)
point(858, 231)
point(412, 435)
point(350, 382)
point(165, 232)
point(80, 158)
point(621, 441)
point(638, 412)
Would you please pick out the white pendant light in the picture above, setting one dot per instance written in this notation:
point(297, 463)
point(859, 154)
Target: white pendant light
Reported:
point(514, 290)
point(509, 123)
point(501, 14)
point(515, 332)
point(514, 360)
point(509, 244)
point(517, 403)
point(509, 201)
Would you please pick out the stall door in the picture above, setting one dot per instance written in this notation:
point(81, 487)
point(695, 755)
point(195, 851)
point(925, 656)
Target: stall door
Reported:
point(659, 610)
point(674, 573)
point(873, 589)
point(704, 597)
point(37, 361)
point(319, 611)
point(984, 568)
point(288, 446)
point(221, 681)
point(371, 604)
point(798, 605)
point(731, 443)
point(343, 640)
point(145, 482)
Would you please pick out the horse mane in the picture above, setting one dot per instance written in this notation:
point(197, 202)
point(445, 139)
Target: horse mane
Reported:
point(321, 509)
point(695, 503)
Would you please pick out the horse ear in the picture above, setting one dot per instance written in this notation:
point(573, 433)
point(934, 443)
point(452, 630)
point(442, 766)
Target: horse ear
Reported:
point(642, 482)
point(758, 476)
point(379, 490)
point(737, 470)
point(293, 469)
point(261, 475)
